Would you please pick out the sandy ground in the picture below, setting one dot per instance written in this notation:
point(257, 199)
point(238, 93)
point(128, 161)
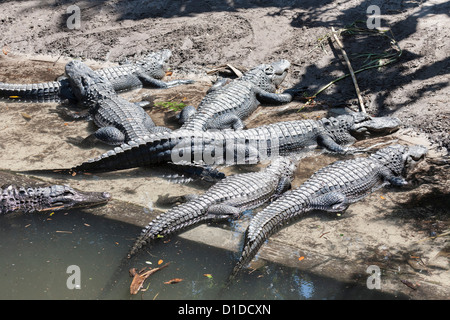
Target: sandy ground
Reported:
point(390, 228)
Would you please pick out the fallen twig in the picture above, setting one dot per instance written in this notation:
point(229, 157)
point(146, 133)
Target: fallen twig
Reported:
point(373, 60)
point(434, 237)
point(355, 83)
point(238, 71)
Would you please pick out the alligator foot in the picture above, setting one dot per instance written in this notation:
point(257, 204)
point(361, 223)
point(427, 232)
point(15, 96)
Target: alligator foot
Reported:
point(71, 115)
point(84, 143)
point(166, 199)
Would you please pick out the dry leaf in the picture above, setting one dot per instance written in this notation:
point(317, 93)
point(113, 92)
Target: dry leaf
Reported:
point(174, 280)
point(26, 116)
point(140, 276)
point(169, 73)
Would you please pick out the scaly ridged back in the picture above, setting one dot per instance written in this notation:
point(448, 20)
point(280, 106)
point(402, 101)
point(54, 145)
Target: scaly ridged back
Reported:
point(353, 179)
point(236, 98)
point(212, 148)
point(243, 191)
point(24, 199)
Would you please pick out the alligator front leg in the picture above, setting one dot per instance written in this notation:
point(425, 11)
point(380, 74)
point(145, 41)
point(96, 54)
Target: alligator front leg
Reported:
point(167, 199)
point(327, 142)
point(71, 115)
point(147, 80)
point(218, 84)
point(395, 181)
point(273, 98)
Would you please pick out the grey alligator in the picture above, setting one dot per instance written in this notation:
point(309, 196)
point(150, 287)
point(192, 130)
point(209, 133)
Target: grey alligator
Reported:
point(119, 120)
point(227, 199)
point(332, 189)
point(227, 104)
point(238, 147)
point(145, 72)
point(54, 197)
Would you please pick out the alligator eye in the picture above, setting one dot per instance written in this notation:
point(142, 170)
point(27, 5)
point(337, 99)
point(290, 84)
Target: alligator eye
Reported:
point(269, 70)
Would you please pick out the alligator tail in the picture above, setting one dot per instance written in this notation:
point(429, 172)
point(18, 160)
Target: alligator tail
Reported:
point(160, 147)
point(179, 218)
point(52, 91)
point(67, 171)
point(266, 223)
point(133, 154)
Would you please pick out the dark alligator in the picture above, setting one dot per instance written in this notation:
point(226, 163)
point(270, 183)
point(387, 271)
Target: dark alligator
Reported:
point(55, 197)
point(227, 104)
point(119, 120)
point(145, 72)
point(227, 199)
point(238, 147)
point(332, 189)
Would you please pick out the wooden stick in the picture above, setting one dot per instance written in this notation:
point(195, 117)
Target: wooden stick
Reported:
point(358, 93)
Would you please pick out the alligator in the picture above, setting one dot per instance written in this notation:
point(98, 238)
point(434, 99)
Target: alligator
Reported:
point(54, 197)
point(227, 199)
point(119, 120)
point(145, 72)
point(331, 189)
point(226, 104)
point(216, 148)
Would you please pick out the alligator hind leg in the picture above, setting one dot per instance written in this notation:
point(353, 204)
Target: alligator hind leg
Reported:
point(330, 202)
point(218, 212)
point(283, 185)
point(185, 114)
point(108, 135)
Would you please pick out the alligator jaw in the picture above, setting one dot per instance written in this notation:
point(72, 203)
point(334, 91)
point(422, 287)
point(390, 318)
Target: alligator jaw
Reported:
point(281, 69)
point(77, 199)
point(377, 126)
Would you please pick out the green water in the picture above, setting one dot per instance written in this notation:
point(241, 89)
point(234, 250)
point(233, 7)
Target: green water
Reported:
point(36, 251)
